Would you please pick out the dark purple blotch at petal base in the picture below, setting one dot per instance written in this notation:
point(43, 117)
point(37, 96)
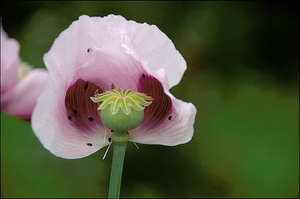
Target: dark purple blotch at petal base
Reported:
point(81, 111)
point(161, 106)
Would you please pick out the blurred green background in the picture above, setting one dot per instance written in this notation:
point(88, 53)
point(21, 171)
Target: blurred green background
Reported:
point(243, 77)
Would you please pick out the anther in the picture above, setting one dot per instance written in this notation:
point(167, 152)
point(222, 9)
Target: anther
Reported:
point(143, 75)
point(96, 92)
point(89, 50)
point(170, 117)
point(69, 117)
point(89, 144)
point(75, 110)
point(109, 139)
point(111, 131)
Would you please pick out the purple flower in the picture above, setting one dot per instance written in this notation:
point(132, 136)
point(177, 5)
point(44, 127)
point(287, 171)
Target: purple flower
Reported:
point(97, 54)
point(20, 85)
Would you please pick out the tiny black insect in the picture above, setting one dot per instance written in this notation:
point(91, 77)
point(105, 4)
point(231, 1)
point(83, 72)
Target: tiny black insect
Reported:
point(91, 119)
point(112, 86)
point(86, 86)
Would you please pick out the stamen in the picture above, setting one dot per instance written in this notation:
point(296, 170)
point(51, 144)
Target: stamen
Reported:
point(96, 93)
point(143, 75)
point(170, 117)
point(91, 119)
point(136, 145)
point(106, 151)
point(104, 135)
point(89, 144)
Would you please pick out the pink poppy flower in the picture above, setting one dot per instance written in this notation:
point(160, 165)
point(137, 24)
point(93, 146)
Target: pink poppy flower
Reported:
point(90, 56)
point(20, 85)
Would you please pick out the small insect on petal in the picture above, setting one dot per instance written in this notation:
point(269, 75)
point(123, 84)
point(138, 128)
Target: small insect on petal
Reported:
point(112, 86)
point(91, 119)
point(86, 86)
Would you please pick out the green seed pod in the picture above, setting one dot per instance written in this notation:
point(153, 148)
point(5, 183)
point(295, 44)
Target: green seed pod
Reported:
point(120, 121)
point(122, 110)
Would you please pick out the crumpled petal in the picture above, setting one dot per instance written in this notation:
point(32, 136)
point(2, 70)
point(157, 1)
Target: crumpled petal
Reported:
point(21, 100)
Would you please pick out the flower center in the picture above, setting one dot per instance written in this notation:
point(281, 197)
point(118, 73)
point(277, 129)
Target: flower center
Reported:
point(122, 110)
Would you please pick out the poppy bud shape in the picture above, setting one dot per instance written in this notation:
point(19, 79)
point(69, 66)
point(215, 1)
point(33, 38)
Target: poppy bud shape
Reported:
point(131, 104)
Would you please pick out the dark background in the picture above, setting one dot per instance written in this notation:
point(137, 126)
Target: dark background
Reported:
point(243, 77)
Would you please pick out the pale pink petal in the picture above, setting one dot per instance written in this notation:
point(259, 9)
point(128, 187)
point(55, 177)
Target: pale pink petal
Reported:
point(9, 62)
point(176, 129)
point(70, 48)
point(108, 66)
point(146, 42)
point(96, 54)
point(165, 114)
point(102, 67)
point(156, 51)
point(21, 100)
point(56, 129)
point(69, 63)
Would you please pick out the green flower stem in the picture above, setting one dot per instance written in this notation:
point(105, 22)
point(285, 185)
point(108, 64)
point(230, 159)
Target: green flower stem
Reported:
point(119, 141)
